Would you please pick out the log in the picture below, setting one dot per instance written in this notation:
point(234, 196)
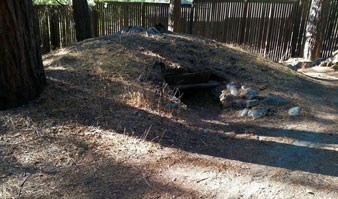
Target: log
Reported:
point(210, 84)
point(187, 78)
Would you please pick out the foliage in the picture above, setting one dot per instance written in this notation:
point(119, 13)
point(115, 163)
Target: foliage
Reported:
point(92, 2)
point(57, 2)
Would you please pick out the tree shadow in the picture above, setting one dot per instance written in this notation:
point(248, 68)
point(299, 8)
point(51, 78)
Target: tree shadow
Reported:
point(77, 96)
point(93, 175)
point(9, 165)
point(122, 118)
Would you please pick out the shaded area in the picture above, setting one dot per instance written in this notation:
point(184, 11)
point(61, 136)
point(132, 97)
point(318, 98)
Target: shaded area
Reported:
point(112, 115)
point(79, 94)
point(91, 175)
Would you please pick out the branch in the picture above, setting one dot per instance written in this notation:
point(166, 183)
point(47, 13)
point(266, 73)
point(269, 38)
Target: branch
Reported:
point(60, 3)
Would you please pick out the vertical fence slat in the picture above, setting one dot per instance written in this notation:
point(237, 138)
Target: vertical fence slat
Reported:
point(273, 28)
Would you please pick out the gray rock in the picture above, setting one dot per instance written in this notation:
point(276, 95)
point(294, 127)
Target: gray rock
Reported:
point(233, 89)
point(244, 112)
point(226, 100)
point(335, 53)
point(238, 104)
point(251, 93)
point(257, 113)
point(252, 103)
point(294, 63)
point(295, 111)
point(153, 31)
point(132, 29)
point(171, 105)
point(275, 101)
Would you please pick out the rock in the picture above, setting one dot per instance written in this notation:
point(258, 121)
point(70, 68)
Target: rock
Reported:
point(295, 67)
point(153, 31)
point(257, 113)
point(244, 112)
point(327, 62)
point(251, 93)
point(295, 111)
point(238, 104)
point(226, 100)
point(294, 63)
point(233, 89)
point(335, 67)
point(171, 105)
point(252, 103)
point(132, 29)
point(161, 28)
point(275, 101)
point(335, 60)
point(335, 53)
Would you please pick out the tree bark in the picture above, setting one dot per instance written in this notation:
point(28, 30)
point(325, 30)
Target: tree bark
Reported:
point(22, 76)
point(174, 22)
point(314, 34)
point(82, 19)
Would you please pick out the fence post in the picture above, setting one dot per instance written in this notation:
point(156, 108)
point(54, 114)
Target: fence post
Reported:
point(95, 20)
point(296, 32)
point(44, 28)
point(54, 30)
point(143, 12)
point(269, 33)
point(125, 15)
point(191, 22)
point(243, 23)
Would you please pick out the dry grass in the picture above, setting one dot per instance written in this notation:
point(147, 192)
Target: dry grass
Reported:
point(98, 132)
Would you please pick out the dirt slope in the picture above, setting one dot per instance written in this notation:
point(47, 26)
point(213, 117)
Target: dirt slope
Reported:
point(98, 132)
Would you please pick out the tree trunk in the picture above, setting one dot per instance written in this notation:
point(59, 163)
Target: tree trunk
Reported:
point(82, 20)
point(22, 76)
point(174, 23)
point(316, 23)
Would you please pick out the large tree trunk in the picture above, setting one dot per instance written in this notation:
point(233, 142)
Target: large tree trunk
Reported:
point(22, 76)
point(316, 23)
point(82, 19)
point(174, 16)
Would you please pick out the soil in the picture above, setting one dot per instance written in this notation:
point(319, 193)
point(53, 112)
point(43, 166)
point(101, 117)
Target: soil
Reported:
point(97, 131)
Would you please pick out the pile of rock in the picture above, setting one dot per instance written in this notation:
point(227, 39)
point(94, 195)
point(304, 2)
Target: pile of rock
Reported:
point(331, 61)
point(132, 29)
point(153, 30)
point(297, 63)
point(249, 102)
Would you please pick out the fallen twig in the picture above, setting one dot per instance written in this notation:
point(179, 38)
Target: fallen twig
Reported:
point(203, 142)
point(22, 184)
point(147, 182)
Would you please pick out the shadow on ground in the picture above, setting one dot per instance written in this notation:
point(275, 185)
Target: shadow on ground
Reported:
point(69, 102)
point(91, 175)
point(79, 97)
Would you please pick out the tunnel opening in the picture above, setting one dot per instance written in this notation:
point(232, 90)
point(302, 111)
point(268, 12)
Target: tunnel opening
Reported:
point(195, 88)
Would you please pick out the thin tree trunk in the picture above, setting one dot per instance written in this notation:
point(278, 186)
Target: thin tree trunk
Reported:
point(82, 19)
point(22, 76)
point(314, 35)
point(174, 22)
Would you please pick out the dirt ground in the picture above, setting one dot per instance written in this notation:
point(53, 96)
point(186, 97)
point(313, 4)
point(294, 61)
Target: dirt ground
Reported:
point(96, 131)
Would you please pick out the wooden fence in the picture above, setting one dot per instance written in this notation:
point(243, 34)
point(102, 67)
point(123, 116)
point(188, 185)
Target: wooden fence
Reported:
point(56, 26)
point(272, 28)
